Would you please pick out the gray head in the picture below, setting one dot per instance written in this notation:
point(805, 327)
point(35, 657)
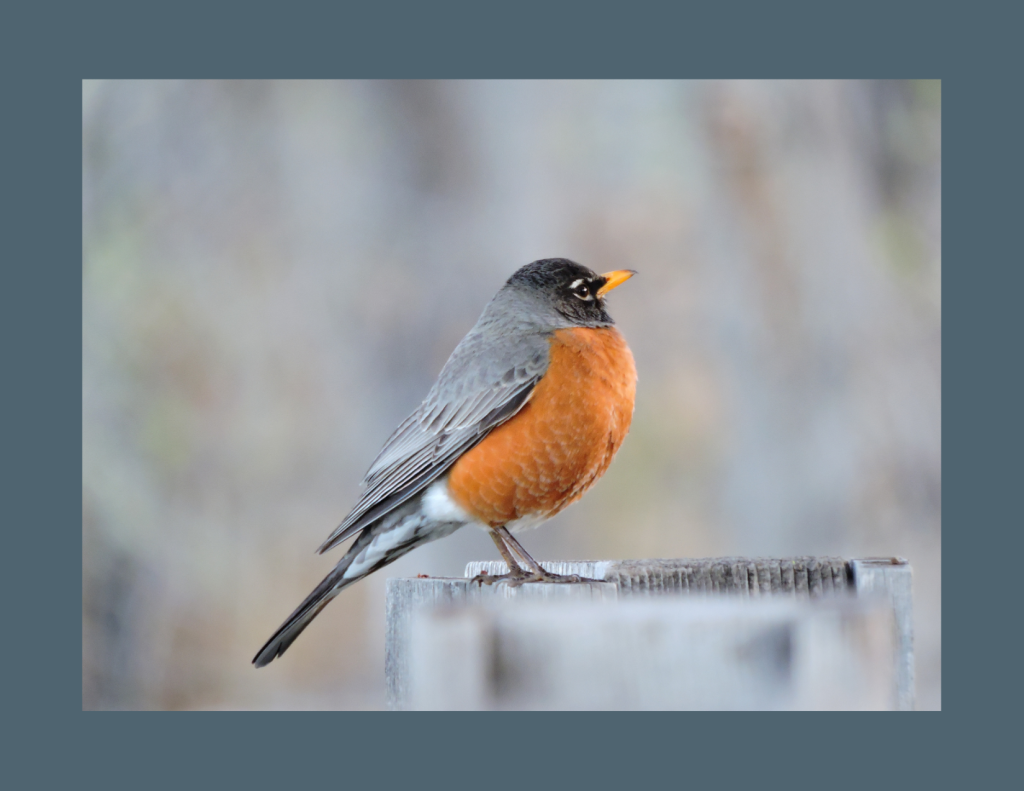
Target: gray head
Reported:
point(556, 293)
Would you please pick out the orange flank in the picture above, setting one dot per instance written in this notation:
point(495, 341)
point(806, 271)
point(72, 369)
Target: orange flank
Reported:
point(562, 441)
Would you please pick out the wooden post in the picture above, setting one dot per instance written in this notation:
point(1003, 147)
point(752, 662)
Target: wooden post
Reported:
point(892, 578)
point(469, 619)
point(408, 597)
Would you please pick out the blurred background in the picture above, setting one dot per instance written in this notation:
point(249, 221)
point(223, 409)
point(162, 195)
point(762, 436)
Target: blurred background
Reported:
point(275, 272)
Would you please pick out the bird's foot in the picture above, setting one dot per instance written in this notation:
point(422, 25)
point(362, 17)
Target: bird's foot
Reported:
point(548, 576)
point(518, 576)
point(515, 577)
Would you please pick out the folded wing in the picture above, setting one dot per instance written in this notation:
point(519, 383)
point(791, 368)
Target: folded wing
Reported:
point(485, 382)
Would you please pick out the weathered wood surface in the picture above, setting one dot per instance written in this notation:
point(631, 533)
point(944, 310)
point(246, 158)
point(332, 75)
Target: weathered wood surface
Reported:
point(744, 576)
point(892, 578)
point(405, 597)
point(786, 579)
point(655, 654)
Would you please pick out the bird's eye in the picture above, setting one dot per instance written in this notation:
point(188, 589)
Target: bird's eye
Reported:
point(582, 291)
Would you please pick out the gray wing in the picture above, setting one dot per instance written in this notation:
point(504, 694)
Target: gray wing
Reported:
point(484, 383)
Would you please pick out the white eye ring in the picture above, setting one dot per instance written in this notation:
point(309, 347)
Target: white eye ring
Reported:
point(578, 286)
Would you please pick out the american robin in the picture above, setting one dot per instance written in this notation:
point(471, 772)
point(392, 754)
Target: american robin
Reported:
point(526, 415)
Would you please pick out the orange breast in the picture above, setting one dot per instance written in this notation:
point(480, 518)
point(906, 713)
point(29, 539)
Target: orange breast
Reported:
point(562, 441)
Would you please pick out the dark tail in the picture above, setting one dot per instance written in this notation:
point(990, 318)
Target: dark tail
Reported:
point(336, 581)
point(321, 596)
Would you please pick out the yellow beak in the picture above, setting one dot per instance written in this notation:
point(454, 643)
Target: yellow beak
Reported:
point(614, 279)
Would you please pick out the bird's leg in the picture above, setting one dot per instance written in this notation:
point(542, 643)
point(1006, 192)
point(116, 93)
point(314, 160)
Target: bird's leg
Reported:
point(538, 574)
point(516, 573)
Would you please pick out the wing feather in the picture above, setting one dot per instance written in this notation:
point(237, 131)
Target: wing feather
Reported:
point(483, 384)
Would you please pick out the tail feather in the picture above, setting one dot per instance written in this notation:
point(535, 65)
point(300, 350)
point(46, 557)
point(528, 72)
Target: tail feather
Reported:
point(331, 586)
point(378, 545)
point(321, 596)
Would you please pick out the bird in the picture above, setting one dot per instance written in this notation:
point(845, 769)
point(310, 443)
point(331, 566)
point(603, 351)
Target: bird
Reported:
point(524, 418)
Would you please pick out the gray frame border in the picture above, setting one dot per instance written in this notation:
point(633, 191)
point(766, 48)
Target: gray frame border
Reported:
point(971, 52)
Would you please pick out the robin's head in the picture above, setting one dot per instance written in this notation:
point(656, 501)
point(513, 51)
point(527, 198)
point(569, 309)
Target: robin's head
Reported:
point(565, 293)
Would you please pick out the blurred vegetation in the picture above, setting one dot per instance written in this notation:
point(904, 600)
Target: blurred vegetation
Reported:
point(274, 273)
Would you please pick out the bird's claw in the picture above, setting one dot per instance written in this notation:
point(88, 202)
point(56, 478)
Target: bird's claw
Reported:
point(515, 579)
point(548, 576)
